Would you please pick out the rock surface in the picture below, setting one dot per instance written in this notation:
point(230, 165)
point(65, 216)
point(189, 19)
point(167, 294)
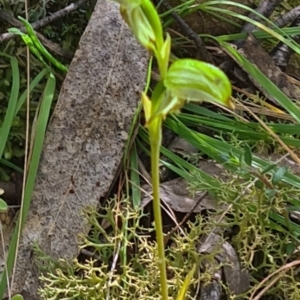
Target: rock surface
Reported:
point(84, 142)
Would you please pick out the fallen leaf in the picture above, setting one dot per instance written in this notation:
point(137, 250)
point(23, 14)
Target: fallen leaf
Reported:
point(237, 279)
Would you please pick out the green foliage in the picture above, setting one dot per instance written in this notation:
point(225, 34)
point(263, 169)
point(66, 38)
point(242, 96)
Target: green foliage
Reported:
point(17, 297)
point(10, 113)
point(15, 132)
point(35, 46)
point(13, 86)
point(3, 206)
point(41, 124)
point(259, 194)
point(66, 33)
point(97, 277)
point(185, 80)
point(260, 248)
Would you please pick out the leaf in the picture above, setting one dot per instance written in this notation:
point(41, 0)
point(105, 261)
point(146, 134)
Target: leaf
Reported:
point(37, 47)
point(220, 150)
point(273, 30)
point(41, 126)
point(3, 206)
point(164, 55)
point(12, 103)
point(147, 106)
point(186, 283)
point(248, 155)
point(192, 80)
point(278, 175)
point(266, 84)
point(32, 85)
point(17, 297)
point(290, 248)
point(143, 20)
point(135, 178)
point(16, 31)
point(268, 168)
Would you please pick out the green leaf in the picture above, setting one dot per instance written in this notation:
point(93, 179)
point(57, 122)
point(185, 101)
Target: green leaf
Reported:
point(16, 31)
point(13, 99)
point(3, 206)
point(41, 126)
point(220, 150)
point(10, 165)
point(248, 155)
point(37, 47)
point(186, 283)
point(143, 20)
point(32, 85)
point(135, 179)
point(268, 168)
point(164, 56)
point(17, 297)
point(266, 84)
point(192, 80)
point(278, 175)
point(290, 248)
point(210, 6)
point(259, 34)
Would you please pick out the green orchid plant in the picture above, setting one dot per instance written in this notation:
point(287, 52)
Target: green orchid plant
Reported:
point(183, 81)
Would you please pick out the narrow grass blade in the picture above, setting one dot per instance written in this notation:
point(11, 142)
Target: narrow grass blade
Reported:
point(266, 83)
point(280, 220)
point(223, 152)
point(32, 85)
point(186, 283)
point(210, 7)
point(8, 164)
point(259, 34)
point(188, 171)
point(135, 179)
point(244, 131)
point(10, 112)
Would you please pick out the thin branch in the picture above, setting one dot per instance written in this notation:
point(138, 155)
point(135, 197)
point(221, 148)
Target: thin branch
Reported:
point(202, 54)
point(265, 8)
point(41, 23)
point(281, 53)
point(53, 47)
point(186, 217)
point(288, 18)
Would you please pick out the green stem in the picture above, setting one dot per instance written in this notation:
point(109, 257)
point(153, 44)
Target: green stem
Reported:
point(155, 141)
